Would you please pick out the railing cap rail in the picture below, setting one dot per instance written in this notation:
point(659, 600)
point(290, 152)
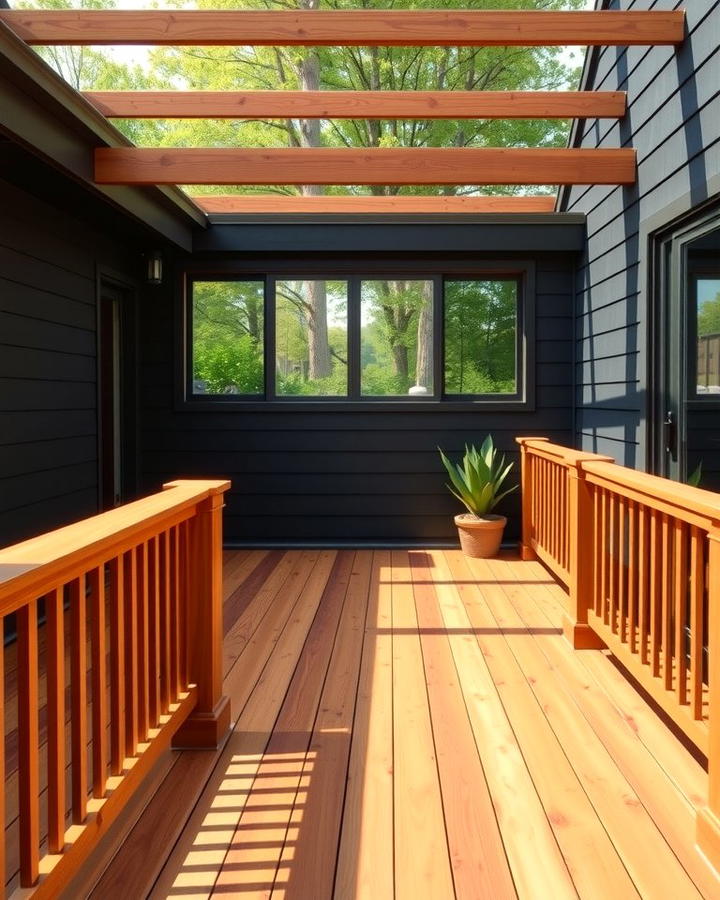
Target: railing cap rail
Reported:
point(683, 496)
point(22, 564)
point(563, 454)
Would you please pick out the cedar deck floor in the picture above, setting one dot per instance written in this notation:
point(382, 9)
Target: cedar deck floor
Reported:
point(412, 724)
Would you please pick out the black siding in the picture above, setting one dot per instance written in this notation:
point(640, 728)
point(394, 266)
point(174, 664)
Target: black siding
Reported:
point(331, 476)
point(673, 121)
point(49, 262)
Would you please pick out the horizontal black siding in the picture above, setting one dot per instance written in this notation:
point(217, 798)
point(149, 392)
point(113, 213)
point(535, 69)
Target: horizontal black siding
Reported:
point(346, 476)
point(673, 122)
point(48, 362)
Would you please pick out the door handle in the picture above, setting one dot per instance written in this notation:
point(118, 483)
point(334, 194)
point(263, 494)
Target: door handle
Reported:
point(670, 434)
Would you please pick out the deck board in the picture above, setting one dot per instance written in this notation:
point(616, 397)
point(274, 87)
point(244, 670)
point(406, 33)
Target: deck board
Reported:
point(412, 723)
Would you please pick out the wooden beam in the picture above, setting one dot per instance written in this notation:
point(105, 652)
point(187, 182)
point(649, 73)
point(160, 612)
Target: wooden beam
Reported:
point(278, 203)
point(358, 104)
point(386, 28)
point(121, 165)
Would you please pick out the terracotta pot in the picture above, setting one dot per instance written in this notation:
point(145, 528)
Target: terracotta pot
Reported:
point(480, 538)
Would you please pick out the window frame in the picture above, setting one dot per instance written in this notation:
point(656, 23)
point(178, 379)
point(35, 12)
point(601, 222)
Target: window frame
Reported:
point(187, 340)
point(355, 271)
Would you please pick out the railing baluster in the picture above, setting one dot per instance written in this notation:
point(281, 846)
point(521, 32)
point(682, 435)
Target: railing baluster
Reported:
point(565, 531)
point(55, 675)
point(28, 744)
point(175, 612)
point(143, 643)
point(559, 517)
point(643, 584)
point(613, 562)
point(183, 600)
point(598, 545)
point(154, 631)
point(2, 748)
point(131, 659)
point(559, 511)
point(78, 666)
point(622, 570)
point(165, 621)
point(549, 507)
point(681, 593)
point(708, 819)
point(667, 603)
point(544, 503)
point(697, 624)
point(117, 666)
point(604, 557)
point(99, 682)
point(632, 584)
point(656, 588)
point(536, 486)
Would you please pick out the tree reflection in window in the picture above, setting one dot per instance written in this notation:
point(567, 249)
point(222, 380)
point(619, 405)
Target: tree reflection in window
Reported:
point(227, 337)
point(311, 338)
point(396, 338)
point(480, 341)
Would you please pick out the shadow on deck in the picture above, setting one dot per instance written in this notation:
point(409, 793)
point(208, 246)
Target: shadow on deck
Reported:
point(412, 723)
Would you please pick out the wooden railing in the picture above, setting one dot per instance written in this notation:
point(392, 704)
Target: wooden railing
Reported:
point(649, 602)
point(117, 654)
point(548, 491)
point(644, 580)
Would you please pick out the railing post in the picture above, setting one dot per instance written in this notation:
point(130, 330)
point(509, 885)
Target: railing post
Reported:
point(210, 720)
point(708, 818)
point(526, 492)
point(581, 561)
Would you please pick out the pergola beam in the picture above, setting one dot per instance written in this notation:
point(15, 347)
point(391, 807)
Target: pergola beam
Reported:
point(387, 28)
point(278, 203)
point(396, 166)
point(358, 104)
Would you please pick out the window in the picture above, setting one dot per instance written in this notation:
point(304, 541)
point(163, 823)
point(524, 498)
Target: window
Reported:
point(377, 338)
point(705, 313)
point(227, 337)
point(311, 338)
point(481, 336)
point(396, 345)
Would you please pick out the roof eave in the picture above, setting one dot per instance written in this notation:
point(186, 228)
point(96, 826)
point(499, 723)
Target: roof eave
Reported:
point(45, 114)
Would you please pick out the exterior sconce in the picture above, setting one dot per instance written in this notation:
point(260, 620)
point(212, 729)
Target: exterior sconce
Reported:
point(154, 267)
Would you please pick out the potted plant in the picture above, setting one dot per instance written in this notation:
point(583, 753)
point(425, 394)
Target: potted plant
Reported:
point(477, 483)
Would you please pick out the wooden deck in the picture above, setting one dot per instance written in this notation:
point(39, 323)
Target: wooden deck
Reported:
point(412, 724)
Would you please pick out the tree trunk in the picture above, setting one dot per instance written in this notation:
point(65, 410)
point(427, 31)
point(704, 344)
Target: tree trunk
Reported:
point(400, 359)
point(253, 316)
point(424, 359)
point(319, 363)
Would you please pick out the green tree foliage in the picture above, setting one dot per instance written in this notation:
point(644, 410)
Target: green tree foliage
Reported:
point(367, 68)
point(91, 68)
point(403, 330)
point(295, 313)
point(480, 337)
point(227, 337)
point(708, 317)
point(392, 338)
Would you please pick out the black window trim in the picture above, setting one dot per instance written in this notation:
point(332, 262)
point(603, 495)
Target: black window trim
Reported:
point(357, 270)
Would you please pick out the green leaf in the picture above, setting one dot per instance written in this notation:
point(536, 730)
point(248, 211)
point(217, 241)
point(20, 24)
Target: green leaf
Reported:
point(695, 478)
point(476, 482)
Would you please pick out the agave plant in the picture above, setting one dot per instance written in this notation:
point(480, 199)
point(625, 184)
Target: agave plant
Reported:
point(477, 482)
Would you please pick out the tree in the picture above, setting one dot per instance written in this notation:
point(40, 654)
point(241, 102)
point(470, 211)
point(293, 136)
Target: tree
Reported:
point(227, 336)
point(708, 316)
point(480, 336)
point(340, 68)
point(369, 68)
